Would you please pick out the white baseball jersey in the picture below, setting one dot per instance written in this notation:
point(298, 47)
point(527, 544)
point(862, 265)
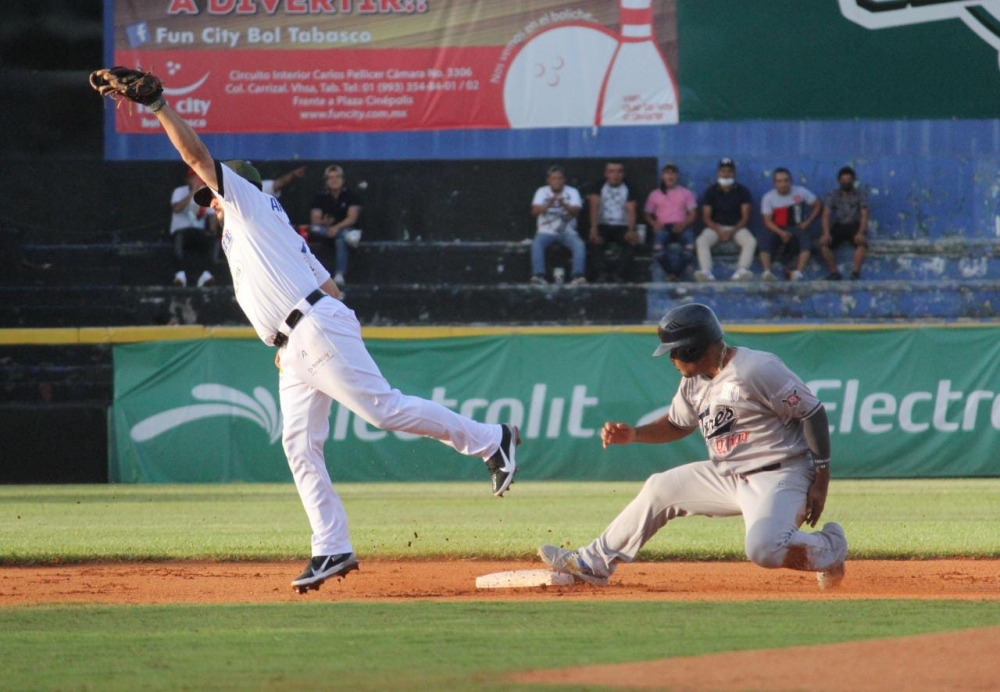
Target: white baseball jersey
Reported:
point(747, 413)
point(556, 219)
point(272, 267)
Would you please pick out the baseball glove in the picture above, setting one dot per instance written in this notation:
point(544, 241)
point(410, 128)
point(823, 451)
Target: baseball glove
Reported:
point(134, 85)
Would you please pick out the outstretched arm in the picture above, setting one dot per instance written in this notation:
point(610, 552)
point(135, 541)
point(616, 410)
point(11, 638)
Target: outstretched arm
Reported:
point(188, 144)
point(659, 431)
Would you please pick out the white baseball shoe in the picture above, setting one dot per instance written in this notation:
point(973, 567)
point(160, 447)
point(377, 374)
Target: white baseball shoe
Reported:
point(742, 274)
point(703, 276)
point(181, 279)
point(569, 562)
point(768, 275)
point(795, 275)
point(206, 279)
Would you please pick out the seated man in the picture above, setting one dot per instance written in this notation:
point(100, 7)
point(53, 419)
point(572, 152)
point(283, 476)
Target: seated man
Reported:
point(671, 211)
point(788, 238)
point(847, 208)
point(194, 234)
point(334, 215)
point(612, 221)
point(556, 206)
point(725, 211)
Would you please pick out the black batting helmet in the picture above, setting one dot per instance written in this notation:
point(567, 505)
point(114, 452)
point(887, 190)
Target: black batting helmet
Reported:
point(690, 328)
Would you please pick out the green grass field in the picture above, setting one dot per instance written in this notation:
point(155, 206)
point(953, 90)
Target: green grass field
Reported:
point(883, 519)
point(426, 645)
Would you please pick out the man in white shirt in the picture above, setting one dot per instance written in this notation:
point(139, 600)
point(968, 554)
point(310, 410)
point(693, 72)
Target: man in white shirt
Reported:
point(788, 238)
point(291, 301)
point(556, 206)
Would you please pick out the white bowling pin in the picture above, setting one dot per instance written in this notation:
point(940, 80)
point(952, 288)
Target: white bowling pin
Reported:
point(638, 89)
point(555, 79)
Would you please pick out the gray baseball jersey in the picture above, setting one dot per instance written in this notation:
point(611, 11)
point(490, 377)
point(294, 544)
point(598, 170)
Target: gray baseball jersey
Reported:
point(747, 412)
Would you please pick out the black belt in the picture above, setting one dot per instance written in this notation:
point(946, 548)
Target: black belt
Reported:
point(280, 338)
point(769, 467)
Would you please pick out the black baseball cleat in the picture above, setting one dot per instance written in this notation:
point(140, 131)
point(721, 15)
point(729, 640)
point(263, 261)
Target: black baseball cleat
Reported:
point(501, 465)
point(323, 567)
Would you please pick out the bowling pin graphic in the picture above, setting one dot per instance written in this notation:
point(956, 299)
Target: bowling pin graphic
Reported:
point(555, 79)
point(581, 74)
point(638, 88)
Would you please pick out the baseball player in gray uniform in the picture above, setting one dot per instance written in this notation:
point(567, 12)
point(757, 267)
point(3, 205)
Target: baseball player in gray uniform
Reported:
point(290, 300)
point(769, 459)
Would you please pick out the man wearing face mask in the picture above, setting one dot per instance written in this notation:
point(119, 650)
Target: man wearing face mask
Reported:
point(769, 459)
point(845, 220)
point(725, 210)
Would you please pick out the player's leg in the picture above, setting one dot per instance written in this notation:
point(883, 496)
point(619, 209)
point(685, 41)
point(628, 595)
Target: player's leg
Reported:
point(305, 413)
point(689, 490)
point(328, 343)
point(773, 505)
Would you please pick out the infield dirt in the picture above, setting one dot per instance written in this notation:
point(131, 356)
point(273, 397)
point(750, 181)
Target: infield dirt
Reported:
point(251, 582)
point(957, 660)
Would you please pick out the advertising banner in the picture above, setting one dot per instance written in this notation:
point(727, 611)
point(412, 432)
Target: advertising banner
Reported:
point(901, 403)
point(299, 66)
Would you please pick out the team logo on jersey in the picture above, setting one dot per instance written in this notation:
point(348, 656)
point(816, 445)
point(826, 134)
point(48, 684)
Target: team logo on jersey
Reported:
point(792, 399)
point(227, 240)
point(727, 443)
point(979, 15)
point(717, 422)
point(218, 400)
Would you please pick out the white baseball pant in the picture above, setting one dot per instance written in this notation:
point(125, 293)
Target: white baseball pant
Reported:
point(326, 359)
point(772, 504)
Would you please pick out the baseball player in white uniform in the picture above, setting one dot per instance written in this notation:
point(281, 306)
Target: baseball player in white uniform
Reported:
point(769, 459)
point(291, 302)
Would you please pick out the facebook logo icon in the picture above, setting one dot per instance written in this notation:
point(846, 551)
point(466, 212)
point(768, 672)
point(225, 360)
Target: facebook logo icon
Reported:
point(137, 34)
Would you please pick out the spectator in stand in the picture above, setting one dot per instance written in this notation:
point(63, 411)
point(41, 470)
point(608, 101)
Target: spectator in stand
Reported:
point(334, 218)
point(194, 233)
point(612, 203)
point(274, 187)
point(725, 211)
point(556, 206)
point(847, 208)
point(789, 238)
point(671, 211)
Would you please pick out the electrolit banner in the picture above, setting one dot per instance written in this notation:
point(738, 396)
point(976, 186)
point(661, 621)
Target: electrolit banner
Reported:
point(255, 66)
point(899, 404)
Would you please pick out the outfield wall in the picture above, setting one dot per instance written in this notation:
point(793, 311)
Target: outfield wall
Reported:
point(910, 402)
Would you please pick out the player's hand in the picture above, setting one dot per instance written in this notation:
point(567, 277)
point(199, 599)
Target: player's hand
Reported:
point(632, 238)
point(595, 238)
point(617, 434)
point(785, 236)
point(277, 359)
point(816, 497)
point(332, 232)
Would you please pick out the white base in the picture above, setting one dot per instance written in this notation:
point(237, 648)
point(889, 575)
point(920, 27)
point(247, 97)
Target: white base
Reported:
point(523, 578)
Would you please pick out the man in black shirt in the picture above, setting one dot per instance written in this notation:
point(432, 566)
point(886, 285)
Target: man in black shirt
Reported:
point(725, 211)
point(334, 218)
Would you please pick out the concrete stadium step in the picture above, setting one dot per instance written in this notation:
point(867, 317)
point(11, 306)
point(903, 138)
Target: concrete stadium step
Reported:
point(415, 304)
point(481, 263)
point(855, 301)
